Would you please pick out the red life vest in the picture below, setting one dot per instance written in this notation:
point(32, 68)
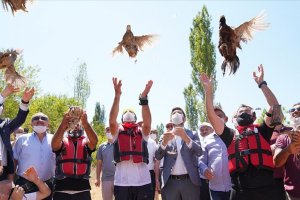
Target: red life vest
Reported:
point(74, 160)
point(130, 145)
point(249, 147)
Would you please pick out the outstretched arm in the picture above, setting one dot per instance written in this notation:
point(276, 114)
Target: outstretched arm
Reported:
point(269, 95)
point(215, 121)
point(59, 134)
point(93, 138)
point(113, 124)
point(146, 114)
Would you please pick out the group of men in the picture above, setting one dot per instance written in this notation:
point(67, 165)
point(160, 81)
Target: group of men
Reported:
point(220, 163)
point(42, 159)
point(224, 163)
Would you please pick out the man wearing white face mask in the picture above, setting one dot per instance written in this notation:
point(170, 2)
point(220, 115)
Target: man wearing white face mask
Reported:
point(132, 177)
point(7, 126)
point(34, 150)
point(105, 164)
point(180, 175)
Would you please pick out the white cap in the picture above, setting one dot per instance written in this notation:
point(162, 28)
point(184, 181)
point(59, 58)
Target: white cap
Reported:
point(205, 124)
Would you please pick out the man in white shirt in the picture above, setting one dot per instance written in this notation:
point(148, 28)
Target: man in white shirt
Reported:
point(180, 149)
point(132, 177)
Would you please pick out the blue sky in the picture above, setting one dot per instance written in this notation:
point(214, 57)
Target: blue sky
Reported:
point(54, 34)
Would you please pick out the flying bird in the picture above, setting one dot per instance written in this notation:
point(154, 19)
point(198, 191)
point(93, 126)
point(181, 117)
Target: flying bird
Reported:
point(7, 60)
point(15, 5)
point(230, 38)
point(132, 44)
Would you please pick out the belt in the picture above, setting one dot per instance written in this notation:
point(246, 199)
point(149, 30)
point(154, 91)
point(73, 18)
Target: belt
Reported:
point(179, 177)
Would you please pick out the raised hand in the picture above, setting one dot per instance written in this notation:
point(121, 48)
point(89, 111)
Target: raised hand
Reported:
point(117, 86)
point(259, 77)
point(9, 89)
point(206, 82)
point(28, 94)
point(147, 88)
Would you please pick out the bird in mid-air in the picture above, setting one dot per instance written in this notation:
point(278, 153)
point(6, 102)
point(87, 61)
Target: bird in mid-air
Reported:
point(230, 38)
point(7, 60)
point(132, 44)
point(15, 5)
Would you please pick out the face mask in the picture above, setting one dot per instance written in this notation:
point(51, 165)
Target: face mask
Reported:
point(18, 135)
point(244, 119)
point(153, 136)
point(76, 133)
point(177, 118)
point(39, 129)
point(295, 122)
point(109, 136)
point(128, 117)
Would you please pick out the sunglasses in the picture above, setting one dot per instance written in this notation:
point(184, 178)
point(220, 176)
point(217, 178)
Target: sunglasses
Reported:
point(169, 126)
point(36, 118)
point(294, 109)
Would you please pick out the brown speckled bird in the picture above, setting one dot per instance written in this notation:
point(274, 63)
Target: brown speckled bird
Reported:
point(7, 60)
point(229, 39)
point(133, 44)
point(15, 5)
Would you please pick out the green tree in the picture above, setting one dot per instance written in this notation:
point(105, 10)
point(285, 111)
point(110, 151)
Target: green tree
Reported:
point(160, 130)
point(53, 106)
point(82, 84)
point(98, 122)
point(13, 101)
point(203, 60)
point(191, 107)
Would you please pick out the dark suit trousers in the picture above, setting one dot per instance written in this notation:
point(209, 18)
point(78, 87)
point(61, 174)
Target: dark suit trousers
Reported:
point(181, 189)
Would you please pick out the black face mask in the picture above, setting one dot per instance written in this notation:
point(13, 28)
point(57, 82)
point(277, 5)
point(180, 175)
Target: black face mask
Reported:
point(75, 134)
point(244, 119)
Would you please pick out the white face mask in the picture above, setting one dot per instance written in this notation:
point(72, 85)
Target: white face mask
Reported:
point(109, 136)
point(39, 129)
point(128, 117)
point(295, 122)
point(153, 136)
point(177, 118)
point(18, 135)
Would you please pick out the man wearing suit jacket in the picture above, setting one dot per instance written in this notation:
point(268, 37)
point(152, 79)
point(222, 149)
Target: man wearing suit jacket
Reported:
point(181, 150)
point(7, 126)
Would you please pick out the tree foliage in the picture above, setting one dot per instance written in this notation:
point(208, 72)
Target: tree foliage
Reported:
point(53, 106)
point(81, 84)
point(203, 60)
point(98, 122)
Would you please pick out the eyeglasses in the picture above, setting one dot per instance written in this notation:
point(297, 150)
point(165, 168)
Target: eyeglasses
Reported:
point(294, 109)
point(36, 118)
point(169, 126)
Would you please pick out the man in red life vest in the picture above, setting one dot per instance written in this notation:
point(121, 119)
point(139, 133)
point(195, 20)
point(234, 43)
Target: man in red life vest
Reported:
point(132, 177)
point(73, 159)
point(249, 154)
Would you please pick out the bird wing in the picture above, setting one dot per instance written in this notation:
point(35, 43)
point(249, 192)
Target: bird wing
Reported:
point(15, 5)
point(14, 78)
point(8, 58)
point(245, 31)
point(118, 49)
point(144, 39)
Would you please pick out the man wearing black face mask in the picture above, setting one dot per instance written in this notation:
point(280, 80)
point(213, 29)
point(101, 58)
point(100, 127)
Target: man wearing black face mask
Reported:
point(73, 158)
point(250, 157)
